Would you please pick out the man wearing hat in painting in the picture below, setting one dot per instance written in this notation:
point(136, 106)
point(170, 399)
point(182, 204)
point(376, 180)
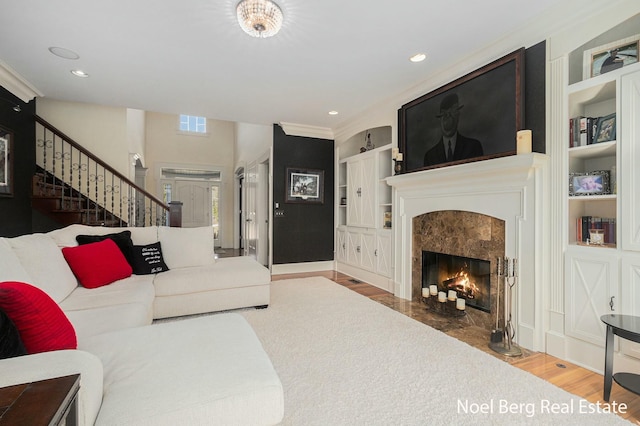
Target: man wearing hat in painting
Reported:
point(452, 145)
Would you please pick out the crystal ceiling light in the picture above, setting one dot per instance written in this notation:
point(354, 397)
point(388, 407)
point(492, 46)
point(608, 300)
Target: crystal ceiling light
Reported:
point(259, 18)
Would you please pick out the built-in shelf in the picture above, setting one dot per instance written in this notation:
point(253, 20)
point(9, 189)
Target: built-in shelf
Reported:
point(603, 149)
point(593, 197)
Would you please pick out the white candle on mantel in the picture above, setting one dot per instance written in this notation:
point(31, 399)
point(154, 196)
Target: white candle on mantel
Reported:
point(425, 292)
point(394, 153)
point(452, 295)
point(433, 289)
point(442, 296)
point(524, 142)
point(460, 304)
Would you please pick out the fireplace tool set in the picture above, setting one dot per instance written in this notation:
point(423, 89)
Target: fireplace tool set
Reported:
point(502, 339)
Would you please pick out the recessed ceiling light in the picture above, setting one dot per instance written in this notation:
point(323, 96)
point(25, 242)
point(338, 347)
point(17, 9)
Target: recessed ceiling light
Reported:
point(64, 53)
point(418, 57)
point(333, 112)
point(79, 73)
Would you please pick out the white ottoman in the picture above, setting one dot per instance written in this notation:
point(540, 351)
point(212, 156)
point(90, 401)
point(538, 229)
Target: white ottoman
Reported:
point(201, 371)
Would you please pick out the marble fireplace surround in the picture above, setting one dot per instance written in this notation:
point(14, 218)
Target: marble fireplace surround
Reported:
point(513, 189)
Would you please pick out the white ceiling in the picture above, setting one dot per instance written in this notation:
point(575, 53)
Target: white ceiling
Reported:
point(191, 56)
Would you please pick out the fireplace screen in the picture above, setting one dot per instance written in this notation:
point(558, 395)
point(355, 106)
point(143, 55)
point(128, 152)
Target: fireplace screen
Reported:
point(470, 278)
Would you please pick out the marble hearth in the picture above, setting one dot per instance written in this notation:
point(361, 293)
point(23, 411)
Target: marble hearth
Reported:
point(509, 189)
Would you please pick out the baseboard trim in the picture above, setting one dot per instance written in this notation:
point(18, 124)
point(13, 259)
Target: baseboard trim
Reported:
point(366, 276)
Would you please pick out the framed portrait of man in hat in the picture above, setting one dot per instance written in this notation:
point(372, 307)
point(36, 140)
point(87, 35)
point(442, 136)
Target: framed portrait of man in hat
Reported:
point(473, 118)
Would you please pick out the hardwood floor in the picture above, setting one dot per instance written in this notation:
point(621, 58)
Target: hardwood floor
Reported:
point(572, 378)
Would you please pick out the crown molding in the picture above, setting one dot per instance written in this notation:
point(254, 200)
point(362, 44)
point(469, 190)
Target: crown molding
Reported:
point(293, 129)
point(18, 86)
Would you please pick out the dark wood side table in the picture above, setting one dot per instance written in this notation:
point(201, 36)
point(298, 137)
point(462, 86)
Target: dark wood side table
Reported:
point(626, 327)
point(45, 402)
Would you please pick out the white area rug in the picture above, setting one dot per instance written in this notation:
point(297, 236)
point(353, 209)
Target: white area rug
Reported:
point(346, 360)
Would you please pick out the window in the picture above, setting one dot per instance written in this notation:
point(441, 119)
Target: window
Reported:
point(191, 123)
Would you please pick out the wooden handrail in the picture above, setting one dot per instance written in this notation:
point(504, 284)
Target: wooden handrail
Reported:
point(97, 159)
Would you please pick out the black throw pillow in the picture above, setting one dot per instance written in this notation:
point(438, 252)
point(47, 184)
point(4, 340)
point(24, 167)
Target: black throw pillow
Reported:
point(148, 259)
point(122, 240)
point(10, 342)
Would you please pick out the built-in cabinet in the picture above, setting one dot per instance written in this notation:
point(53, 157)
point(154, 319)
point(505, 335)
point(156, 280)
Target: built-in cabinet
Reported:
point(603, 278)
point(363, 234)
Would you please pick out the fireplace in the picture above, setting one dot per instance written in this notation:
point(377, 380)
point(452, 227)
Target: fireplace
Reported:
point(469, 278)
point(510, 191)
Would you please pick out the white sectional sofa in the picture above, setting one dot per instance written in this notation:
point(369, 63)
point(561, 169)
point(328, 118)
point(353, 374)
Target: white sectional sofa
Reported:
point(205, 370)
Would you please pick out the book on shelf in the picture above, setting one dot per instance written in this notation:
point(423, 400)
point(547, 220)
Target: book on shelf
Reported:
point(586, 223)
point(583, 131)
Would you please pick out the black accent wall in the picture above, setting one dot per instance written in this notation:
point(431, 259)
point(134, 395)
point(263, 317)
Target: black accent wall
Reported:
point(304, 232)
point(534, 94)
point(15, 211)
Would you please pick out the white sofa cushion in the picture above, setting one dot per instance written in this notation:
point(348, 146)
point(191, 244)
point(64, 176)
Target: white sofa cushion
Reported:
point(185, 247)
point(47, 365)
point(10, 267)
point(42, 258)
point(135, 289)
point(199, 371)
point(225, 273)
point(141, 236)
point(92, 322)
point(123, 304)
point(66, 237)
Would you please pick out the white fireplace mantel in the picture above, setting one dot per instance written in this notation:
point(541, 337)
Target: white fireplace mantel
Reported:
point(514, 189)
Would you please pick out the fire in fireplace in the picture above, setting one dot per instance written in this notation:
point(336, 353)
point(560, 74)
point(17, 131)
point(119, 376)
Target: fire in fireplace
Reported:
point(470, 278)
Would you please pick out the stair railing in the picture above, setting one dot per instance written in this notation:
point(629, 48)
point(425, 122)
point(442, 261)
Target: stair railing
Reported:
point(108, 196)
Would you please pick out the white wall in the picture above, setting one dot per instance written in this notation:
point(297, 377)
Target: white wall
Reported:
point(100, 129)
point(167, 147)
point(252, 142)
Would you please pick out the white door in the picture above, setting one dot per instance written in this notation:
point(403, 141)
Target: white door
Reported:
point(196, 202)
point(251, 224)
point(262, 213)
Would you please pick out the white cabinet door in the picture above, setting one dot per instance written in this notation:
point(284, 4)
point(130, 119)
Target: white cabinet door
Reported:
point(361, 185)
point(354, 193)
point(353, 247)
point(368, 199)
point(629, 134)
point(591, 282)
point(384, 260)
point(341, 245)
point(367, 251)
point(630, 297)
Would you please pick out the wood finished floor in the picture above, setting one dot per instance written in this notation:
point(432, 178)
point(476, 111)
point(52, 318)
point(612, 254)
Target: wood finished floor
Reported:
point(572, 378)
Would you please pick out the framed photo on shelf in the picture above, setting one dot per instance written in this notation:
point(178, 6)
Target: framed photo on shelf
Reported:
point(610, 56)
point(304, 186)
point(606, 130)
point(473, 118)
point(6, 162)
point(590, 183)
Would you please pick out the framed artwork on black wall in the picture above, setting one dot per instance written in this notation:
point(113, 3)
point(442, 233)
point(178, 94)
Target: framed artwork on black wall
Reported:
point(304, 186)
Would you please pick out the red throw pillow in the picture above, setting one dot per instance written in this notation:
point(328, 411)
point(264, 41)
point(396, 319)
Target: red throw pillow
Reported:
point(41, 323)
point(97, 264)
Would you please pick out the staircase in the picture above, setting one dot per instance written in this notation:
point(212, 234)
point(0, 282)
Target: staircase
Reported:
point(72, 185)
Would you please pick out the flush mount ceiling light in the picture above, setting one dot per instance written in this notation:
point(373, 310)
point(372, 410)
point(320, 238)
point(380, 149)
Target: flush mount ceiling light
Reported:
point(79, 73)
point(333, 112)
point(259, 18)
point(418, 57)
